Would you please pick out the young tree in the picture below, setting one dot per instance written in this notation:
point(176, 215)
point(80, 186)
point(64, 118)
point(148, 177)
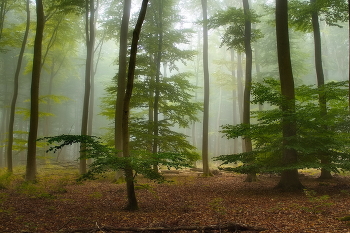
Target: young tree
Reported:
point(15, 92)
point(123, 46)
point(289, 177)
point(205, 140)
point(90, 45)
point(34, 97)
point(129, 176)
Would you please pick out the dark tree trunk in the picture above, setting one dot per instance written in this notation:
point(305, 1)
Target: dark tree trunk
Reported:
point(34, 96)
point(289, 178)
point(248, 83)
point(132, 201)
point(205, 141)
point(123, 48)
point(90, 42)
point(325, 174)
point(15, 92)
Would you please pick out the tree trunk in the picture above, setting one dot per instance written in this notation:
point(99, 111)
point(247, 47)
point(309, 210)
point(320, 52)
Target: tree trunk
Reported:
point(157, 82)
point(90, 42)
point(34, 96)
point(132, 201)
point(325, 174)
point(123, 50)
point(15, 93)
point(248, 84)
point(289, 178)
point(205, 142)
point(235, 101)
point(240, 91)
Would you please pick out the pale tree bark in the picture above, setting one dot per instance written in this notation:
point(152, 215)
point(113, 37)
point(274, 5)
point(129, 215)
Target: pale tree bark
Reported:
point(129, 176)
point(157, 82)
point(205, 140)
point(240, 91)
point(90, 42)
point(15, 93)
point(34, 94)
point(248, 82)
point(325, 174)
point(235, 100)
point(289, 178)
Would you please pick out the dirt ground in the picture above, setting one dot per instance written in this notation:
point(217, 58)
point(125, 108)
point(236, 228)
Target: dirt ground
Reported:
point(59, 204)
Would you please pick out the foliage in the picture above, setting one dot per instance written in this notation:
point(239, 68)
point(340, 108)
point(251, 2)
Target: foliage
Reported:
point(233, 19)
point(313, 141)
point(332, 12)
point(105, 157)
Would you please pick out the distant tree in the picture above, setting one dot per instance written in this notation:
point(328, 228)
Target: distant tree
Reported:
point(205, 140)
point(289, 177)
point(239, 35)
point(15, 92)
point(34, 98)
point(90, 28)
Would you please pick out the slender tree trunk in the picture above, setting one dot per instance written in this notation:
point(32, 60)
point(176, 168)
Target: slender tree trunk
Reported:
point(289, 178)
point(123, 49)
point(248, 83)
point(34, 96)
point(205, 143)
point(129, 176)
point(240, 88)
point(235, 101)
point(90, 42)
point(157, 82)
point(15, 93)
point(325, 174)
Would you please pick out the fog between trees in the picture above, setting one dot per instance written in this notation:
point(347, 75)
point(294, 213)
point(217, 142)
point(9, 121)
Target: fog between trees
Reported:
point(169, 74)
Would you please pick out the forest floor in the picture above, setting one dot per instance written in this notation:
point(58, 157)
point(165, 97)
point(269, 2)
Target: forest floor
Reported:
point(59, 204)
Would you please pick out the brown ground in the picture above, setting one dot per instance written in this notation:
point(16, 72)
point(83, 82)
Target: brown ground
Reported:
point(58, 204)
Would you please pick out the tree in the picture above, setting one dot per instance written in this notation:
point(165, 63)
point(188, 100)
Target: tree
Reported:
point(205, 141)
point(239, 35)
point(90, 45)
point(332, 12)
point(129, 176)
point(289, 178)
point(123, 46)
point(34, 98)
point(15, 92)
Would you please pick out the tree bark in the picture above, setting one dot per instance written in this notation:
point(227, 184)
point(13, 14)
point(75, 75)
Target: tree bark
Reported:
point(34, 94)
point(132, 201)
point(15, 93)
point(157, 83)
point(248, 83)
point(90, 42)
point(325, 174)
point(205, 141)
point(289, 177)
point(123, 48)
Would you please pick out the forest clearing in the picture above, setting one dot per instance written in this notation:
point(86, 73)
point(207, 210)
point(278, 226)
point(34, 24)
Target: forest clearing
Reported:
point(57, 203)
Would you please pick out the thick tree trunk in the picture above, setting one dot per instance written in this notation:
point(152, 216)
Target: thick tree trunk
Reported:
point(205, 142)
point(289, 178)
point(15, 93)
point(34, 96)
point(132, 201)
point(90, 42)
